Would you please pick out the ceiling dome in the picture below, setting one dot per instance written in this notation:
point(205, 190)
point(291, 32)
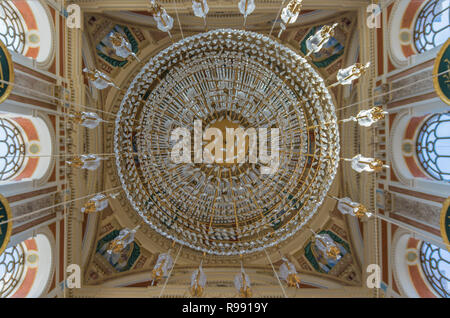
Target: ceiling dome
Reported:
point(227, 79)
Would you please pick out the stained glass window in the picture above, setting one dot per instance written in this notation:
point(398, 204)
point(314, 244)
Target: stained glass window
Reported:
point(12, 30)
point(436, 267)
point(433, 146)
point(12, 149)
point(12, 264)
point(432, 25)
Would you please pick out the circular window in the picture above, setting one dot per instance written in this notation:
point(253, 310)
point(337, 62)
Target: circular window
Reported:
point(12, 30)
point(12, 149)
point(12, 263)
point(436, 267)
point(432, 25)
point(433, 146)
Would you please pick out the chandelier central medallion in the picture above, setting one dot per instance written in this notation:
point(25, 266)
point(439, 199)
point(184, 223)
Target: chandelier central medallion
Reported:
point(220, 81)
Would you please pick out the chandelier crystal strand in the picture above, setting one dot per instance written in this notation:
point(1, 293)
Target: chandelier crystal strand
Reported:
point(178, 19)
point(290, 14)
point(219, 83)
point(316, 42)
point(278, 14)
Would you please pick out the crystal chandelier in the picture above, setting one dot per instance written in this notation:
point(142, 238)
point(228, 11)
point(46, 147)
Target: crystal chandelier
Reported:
point(227, 78)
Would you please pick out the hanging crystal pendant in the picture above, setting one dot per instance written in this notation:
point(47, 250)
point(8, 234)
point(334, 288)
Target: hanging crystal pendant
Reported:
point(290, 14)
point(86, 119)
point(289, 274)
point(347, 206)
point(89, 162)
point(200, 8)
point(96, 204)
point(99, 79)
point(242, 284)
point(327, 246)
point(125, 237)
point(316, 42)
point(121, 45)
point(246, 7)
point(361, 163)
point(367, 118)
point(163, 21)
point(162, 267)
point(198, 282)
point(347, 75)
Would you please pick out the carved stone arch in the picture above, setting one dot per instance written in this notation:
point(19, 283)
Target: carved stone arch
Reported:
point(395, 52)
point(50, 56)
point(399, 265)
point(407, 268)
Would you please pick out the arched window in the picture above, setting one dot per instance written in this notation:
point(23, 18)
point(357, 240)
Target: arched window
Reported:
point(26, 268)
point(12, 29)
point(12, 149)
point(433, 146)
point(12, 265)
point(25, 148)
point(435, 263)
point(26, 28)
point(432, 25)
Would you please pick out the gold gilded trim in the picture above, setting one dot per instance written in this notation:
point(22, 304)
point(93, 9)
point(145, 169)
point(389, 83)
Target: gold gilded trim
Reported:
point(11, 72)
point(437, 62)
point(5, 203)
point(445, 207)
